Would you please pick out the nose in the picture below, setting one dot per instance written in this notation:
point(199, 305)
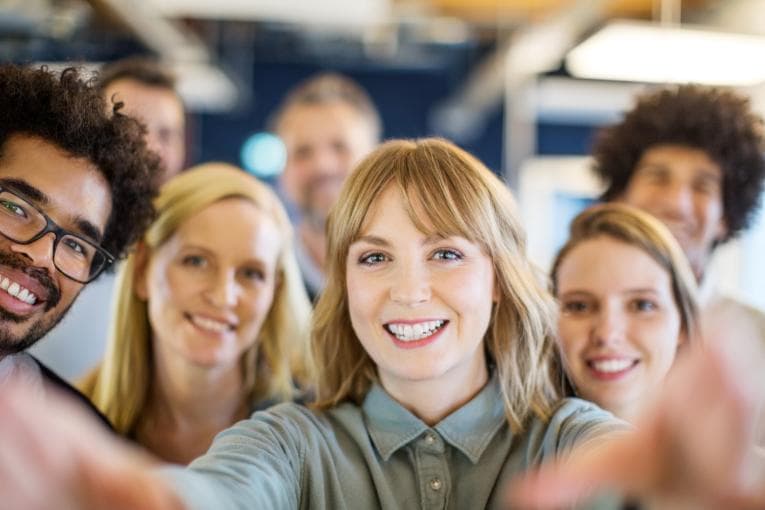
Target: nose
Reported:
point(410, 284)
point(223, 290)
point(40, 252)
point(608, 327)
point(675, 200)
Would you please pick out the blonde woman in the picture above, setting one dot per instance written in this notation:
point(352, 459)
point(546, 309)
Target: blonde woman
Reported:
point(210, 314)
point(434, 340)
point(628, 305)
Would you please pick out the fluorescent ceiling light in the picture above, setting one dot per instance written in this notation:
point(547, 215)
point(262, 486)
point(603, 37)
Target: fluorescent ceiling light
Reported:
point(653, 53)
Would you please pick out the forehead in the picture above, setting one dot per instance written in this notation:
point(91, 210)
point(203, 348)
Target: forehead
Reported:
point(610, 264)
point(301, 122)
point(681, 159)
point(232, 227)
point(75, 187)
point(145, 102)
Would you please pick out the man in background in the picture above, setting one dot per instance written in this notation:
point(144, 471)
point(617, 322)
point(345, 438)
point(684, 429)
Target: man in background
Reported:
point(75, 193)
point(328, 124)
point(149, 95)
point(693, 157)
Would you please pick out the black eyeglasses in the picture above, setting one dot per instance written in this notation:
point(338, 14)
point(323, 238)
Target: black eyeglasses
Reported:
point(76, 257)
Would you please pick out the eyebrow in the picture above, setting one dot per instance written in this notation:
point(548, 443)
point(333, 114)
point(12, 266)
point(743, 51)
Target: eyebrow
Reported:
point(379, 241)
point(33, 194)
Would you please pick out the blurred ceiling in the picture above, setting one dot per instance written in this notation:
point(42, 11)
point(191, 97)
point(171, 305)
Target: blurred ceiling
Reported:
point(216, 39)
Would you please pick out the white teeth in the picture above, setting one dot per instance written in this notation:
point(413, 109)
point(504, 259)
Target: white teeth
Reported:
point(210, 324)
point(611, 365)
point(411, 332)
point(17, 291)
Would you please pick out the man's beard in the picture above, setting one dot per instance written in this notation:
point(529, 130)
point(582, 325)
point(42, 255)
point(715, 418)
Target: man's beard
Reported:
point(10, 344)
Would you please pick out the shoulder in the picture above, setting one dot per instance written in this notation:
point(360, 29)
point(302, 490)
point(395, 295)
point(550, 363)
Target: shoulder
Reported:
point(55, 381)
point(574, 421)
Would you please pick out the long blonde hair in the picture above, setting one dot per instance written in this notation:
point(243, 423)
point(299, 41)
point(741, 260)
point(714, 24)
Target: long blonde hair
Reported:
point(119, 387)
point(459, 196)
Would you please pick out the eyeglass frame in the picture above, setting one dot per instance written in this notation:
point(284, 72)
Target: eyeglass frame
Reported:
point(58, 234)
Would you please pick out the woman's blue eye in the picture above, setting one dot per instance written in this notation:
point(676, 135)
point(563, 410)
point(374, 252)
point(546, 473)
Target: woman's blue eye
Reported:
point(371, 259)
point(574, 307)
point(447, 255)
point(194, 261)
point(644, 305)
point(253, 274)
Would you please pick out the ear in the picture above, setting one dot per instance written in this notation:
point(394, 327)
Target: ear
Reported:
point(722, 230)
point(495, 291)
point(141, 261)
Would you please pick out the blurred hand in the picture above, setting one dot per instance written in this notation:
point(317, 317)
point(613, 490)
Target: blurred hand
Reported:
point(52, 455)
point(693, 449)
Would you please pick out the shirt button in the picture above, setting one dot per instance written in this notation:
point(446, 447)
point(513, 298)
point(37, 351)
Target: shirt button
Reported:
point(430, 438)
point(435, 484)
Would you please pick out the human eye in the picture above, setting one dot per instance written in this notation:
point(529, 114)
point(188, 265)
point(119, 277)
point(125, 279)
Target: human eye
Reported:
point(447, 254)
point(253, 274)
point(372, 259)
point(197, 261)
point(643, 305)
point(575, 307)
point(14, 208)
point(77, 246)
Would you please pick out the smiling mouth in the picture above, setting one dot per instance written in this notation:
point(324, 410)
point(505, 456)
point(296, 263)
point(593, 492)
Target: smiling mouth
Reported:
point(413, 332)
point(612, 366)
point(211, 325)
point(17, 291)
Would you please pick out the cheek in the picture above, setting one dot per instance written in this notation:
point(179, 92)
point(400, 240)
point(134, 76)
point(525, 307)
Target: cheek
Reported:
point(572, 337)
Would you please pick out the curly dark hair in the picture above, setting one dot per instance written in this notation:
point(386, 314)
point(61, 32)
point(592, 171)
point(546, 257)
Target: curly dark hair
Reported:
point(69, 112)
point(715, 120)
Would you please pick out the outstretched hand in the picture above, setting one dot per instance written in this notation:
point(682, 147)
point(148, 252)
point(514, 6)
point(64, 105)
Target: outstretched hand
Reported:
point(53, 456)
point(693, 449)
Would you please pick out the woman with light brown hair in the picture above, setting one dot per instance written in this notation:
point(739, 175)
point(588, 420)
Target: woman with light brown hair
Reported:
point(210, 316)
point(628, 305)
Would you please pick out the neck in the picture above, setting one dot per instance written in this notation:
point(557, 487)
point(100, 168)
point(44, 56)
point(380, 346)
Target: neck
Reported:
point(314, 243)
point(433, 400)
point(188, 405)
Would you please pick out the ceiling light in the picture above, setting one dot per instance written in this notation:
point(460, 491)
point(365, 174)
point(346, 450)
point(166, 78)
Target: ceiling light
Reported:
point(653, 53)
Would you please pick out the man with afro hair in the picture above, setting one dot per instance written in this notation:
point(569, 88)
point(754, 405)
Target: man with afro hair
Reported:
point(693, 157)
point(75, 193)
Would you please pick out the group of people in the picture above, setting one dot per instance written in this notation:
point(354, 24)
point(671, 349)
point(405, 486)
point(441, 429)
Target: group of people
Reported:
point(438, 367)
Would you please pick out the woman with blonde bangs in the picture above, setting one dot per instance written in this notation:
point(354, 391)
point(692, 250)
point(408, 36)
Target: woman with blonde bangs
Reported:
point(628, 305)
point(434, 342)
point(211, 319)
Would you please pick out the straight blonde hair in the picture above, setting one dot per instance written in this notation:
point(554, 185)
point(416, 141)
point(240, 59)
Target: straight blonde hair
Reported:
point(120, 385)
point(458, 196)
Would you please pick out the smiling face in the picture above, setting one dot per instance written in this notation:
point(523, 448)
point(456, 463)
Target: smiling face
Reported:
point(682, 187)
point(419, 304)
point(619, 326)
point(210, 286)
point(323, 141)
point(75, 195)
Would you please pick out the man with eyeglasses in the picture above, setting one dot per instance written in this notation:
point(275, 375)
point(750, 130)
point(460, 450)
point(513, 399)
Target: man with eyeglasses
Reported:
point(75, 193)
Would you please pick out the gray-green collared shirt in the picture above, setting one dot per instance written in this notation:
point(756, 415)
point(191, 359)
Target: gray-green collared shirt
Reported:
point(378, 455)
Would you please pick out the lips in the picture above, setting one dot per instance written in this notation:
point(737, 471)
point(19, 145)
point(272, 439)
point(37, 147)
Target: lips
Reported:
point(210, 324)
point(415, 332)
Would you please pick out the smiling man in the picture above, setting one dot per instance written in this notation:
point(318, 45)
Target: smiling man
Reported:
point(74, 194)
point(693, 157)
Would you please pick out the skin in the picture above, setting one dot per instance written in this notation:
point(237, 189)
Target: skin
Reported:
point(209, 289)
point(323, 141)
point(682, 187)
point(399, 275)
point(77, 197)
point(619, 327)
point(162, 112)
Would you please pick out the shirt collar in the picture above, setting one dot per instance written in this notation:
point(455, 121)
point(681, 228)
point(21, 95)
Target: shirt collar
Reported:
point(469, 429)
